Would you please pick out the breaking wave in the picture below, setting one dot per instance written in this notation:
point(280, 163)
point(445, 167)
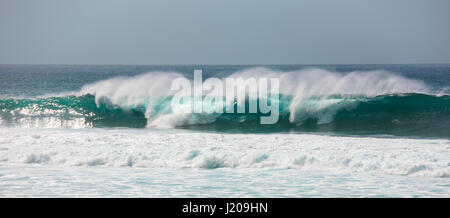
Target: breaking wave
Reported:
point(314, 100)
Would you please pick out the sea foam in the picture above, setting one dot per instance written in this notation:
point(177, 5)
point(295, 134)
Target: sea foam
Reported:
point(175, 149)
point(147, 90)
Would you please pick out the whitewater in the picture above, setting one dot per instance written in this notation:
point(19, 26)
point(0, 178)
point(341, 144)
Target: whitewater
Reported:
point(109, 131)
point(168, 163)
point(379, 102)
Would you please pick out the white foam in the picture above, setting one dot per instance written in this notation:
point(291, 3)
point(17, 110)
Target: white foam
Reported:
point(304, 84)
point(127, 92)
point(179, 149)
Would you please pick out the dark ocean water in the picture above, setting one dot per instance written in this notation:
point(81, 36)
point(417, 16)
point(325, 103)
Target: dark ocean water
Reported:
point(407, 100)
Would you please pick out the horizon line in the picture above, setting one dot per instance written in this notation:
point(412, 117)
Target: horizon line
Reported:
point(271, 64)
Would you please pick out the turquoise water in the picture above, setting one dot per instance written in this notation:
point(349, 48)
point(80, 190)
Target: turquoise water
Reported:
point(108, 131)
point(404, 100)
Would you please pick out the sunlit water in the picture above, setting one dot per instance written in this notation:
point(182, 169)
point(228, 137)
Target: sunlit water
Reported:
point(344, 131)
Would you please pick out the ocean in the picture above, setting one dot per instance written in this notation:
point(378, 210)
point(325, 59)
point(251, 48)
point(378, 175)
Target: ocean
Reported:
point(109, 131)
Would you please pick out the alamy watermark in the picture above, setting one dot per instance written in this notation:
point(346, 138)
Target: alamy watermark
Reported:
point(216, 95)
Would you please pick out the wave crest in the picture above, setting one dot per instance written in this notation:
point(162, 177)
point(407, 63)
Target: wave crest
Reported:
point(310, 100)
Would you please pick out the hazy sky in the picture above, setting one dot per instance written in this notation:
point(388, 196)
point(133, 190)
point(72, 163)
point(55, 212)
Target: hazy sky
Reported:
point(224, 31)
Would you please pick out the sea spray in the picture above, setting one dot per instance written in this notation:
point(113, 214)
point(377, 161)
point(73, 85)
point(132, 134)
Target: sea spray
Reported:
point(310, 100)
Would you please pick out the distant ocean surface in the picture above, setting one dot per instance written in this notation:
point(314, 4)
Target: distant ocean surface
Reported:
point(343, 130)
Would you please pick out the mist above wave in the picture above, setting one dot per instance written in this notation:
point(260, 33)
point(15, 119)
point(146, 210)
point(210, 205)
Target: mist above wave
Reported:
point(147, 90)
point(372, 102)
